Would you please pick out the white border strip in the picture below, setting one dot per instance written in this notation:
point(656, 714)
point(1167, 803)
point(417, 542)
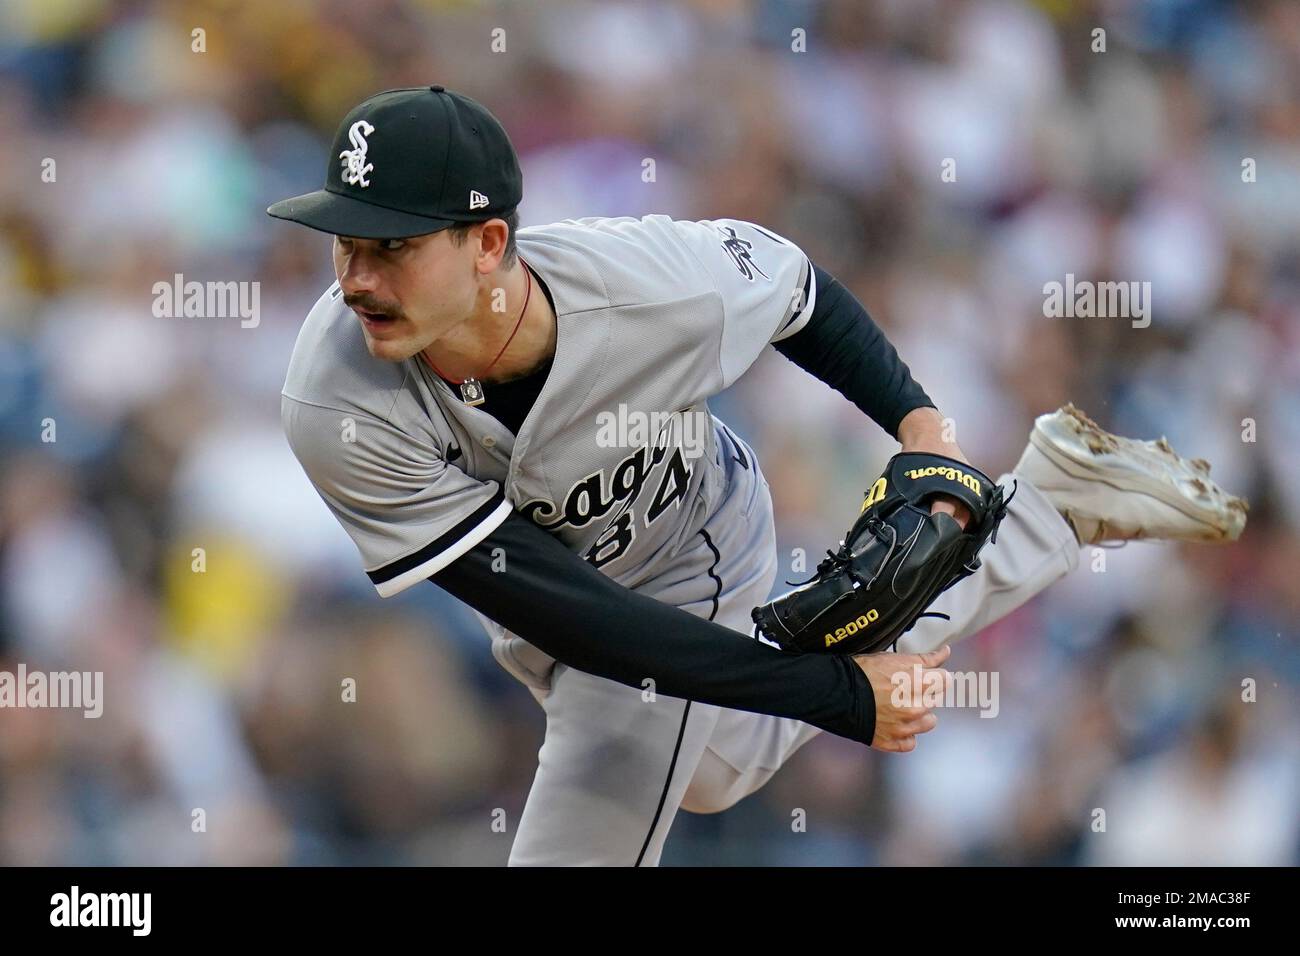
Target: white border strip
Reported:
point(800, 320)
point(443, 558)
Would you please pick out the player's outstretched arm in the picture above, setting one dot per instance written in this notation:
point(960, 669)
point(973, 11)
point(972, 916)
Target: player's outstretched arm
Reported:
point(559, 603)
point(842, 345)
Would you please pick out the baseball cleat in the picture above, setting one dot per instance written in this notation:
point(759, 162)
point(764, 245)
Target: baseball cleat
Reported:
point(1111, 488)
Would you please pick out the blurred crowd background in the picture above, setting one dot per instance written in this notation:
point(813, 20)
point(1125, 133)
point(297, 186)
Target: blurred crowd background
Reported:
point(1121, 687)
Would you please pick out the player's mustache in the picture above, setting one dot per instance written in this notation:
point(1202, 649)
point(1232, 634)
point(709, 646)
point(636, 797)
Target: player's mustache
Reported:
point(367, 303)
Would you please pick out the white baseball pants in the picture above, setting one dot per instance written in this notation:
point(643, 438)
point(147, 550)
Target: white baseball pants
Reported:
point(617, 763)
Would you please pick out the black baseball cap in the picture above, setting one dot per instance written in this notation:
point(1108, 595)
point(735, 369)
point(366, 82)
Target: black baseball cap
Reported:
point(409, 162)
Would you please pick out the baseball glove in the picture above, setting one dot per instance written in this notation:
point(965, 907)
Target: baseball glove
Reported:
point(896, 559)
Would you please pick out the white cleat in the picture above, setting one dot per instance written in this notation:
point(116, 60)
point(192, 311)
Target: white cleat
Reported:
point(1111, 488)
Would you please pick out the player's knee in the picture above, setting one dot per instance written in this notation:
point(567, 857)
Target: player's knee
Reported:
point(716, 786)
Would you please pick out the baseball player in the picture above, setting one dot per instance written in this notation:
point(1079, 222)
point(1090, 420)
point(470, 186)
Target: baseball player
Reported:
point(521, 417)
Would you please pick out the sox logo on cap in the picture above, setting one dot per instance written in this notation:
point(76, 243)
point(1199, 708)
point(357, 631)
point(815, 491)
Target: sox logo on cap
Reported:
point(355, 166)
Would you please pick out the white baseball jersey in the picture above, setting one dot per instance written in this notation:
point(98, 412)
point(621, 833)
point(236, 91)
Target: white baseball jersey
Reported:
point(619, 455)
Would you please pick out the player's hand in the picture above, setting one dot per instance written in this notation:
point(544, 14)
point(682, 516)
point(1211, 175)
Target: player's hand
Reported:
point(923, 429)
point(897, 727)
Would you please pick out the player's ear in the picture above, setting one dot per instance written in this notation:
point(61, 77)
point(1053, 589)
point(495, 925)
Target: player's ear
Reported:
point(492, 237)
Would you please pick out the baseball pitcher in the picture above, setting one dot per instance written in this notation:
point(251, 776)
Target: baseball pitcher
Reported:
point(521, 417)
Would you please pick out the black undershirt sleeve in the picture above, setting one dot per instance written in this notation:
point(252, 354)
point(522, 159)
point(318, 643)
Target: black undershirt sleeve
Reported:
point(559, 603)
point(843, 346)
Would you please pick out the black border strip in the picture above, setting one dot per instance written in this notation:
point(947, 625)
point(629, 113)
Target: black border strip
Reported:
point(227, 903)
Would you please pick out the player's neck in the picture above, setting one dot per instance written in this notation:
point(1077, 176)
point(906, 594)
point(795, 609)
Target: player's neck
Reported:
point(470, 348)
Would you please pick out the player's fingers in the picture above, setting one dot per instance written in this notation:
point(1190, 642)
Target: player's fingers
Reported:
point(937, 680)
point(886, 744)
point(932, 684)
point(945, 504)
point(903, 715)
point(921, 725)
point(936, 657)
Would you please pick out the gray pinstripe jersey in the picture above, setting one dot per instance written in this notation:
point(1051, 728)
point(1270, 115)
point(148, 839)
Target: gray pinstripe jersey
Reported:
point(619, 455)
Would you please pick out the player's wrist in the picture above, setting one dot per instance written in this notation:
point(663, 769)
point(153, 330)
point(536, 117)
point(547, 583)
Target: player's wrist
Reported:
point(920, 424)
point(925, 430)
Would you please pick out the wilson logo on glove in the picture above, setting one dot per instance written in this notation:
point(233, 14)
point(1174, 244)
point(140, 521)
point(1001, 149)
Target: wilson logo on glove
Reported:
point(876, 493)
point(952, 474)
point(896, 559)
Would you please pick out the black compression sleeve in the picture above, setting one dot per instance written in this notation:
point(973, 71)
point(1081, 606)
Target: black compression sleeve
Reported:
point(559, 603)
point(844, 347)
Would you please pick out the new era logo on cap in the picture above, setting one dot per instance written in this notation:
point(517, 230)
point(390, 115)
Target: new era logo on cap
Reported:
point(477, 200)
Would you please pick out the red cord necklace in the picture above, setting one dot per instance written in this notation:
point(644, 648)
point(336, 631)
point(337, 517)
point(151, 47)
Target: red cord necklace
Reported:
point(471, 389)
